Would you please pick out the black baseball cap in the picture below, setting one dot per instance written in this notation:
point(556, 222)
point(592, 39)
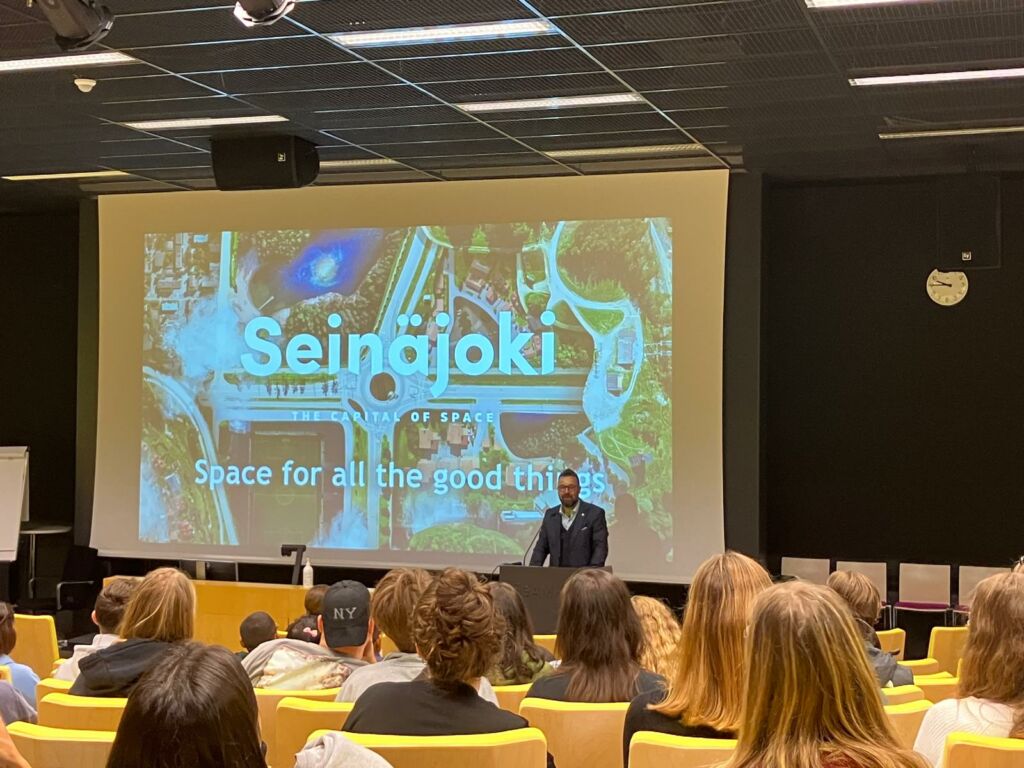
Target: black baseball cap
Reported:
point(346, 614)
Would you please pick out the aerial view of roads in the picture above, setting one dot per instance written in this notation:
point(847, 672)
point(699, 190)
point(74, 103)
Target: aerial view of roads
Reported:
point(425, 384)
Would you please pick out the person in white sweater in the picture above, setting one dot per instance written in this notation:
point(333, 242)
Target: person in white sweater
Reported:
point(991, 692)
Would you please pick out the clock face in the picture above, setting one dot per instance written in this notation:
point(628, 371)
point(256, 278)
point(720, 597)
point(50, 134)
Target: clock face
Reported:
point(946, 288)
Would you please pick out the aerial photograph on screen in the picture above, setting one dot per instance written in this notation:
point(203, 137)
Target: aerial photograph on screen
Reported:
point(413, 389)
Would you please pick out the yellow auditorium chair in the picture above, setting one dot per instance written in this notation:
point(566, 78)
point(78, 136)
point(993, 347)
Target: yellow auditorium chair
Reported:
point(969, 750)
point(547, 642)
point(937, 689)
point(296, 720)
point(579, 735)
point(84, 713)
point(901, 694)
point(521, 748)
point(50, 685)
point(657, 750)
point(5, 673)
point(387, 645)
point(267, 700)
point(44, 747)
point(511, 696)
point(946, 646)
point(922, 666)
point(906, 719)
point(37, 643)
point(893, 641)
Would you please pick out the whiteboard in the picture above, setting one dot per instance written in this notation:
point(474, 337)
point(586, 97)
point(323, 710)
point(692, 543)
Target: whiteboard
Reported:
point(13, 499)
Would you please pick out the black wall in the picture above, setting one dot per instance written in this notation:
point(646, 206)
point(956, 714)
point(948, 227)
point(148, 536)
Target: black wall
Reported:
point(38, 320)
point(895, 427)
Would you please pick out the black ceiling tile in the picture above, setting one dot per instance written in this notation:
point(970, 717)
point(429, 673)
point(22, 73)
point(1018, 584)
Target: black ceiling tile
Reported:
point(242, 54)
point(176, 158)
point(600, 140)
point(481, 147)
point(362, 15)
point(467, 48)
point(146, 87)
point(385, 96)
point(523, 63)
point(708, 49)
point(204, 106)
point(370, 118)
point(26, 41)
point(526, 88)
point(344, 152)
point(479, 161)
point(182, 27)
point(140, 146)
point(451, 132)
point(767, 93)
point(1006, 52)
point(131, 7)
point(175, 172)
point(583, 124)
point(925, 31)
point(729, 73)
point(304, 78)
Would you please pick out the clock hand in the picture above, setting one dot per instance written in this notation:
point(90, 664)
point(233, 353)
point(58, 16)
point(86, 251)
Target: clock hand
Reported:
point(937, 283)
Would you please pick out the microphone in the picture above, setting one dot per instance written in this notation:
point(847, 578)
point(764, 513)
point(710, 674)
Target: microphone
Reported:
point(533, 540)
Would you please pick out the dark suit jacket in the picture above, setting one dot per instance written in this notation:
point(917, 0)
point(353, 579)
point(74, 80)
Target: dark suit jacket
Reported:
point(588, 538)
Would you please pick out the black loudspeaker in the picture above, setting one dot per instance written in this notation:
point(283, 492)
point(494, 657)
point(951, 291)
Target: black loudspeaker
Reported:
point(264, 162)
point(968, 214)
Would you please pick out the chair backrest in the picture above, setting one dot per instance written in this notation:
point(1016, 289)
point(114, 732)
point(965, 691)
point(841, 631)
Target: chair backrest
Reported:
point(50, 685)
point(37, 643)
point(906, 719)
point(878, 573)
point(84, 713)
point(546, 641)
point(579, 735)
point(893, 641)
point(946, 646)
point(511, 696)
point(521, 748)
point(44, 747)
point(5, 673)
point(926, 584)
point(969, 750)
point(267, 700)
point(901, 694)
point(813, 570)
point(657, 750)
point(296, 720)
point(937, 689)
point(969, 577)
point(387, 645)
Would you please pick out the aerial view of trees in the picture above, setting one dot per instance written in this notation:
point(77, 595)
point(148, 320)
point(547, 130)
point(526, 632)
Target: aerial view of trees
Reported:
point(618, 250)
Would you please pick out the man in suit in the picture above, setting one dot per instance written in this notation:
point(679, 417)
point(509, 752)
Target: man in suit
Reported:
point(574, 533)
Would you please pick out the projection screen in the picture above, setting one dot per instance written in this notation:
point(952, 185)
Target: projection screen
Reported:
point(396, 374)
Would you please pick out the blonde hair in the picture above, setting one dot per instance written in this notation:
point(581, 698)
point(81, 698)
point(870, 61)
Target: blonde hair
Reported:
point(163, 607)
point(707, 688)
point(661, 635)
point(859, 593)
point(811, 697)
point(993, 662)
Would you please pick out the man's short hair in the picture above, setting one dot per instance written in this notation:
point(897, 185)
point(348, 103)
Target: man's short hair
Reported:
point(569, 473)
point(315, 599)
point(257, 628)
point(859, 594)
point(111, 602)
point(394, 604)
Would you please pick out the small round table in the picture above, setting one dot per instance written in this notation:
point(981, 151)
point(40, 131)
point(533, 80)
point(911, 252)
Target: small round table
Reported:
point(34, 530)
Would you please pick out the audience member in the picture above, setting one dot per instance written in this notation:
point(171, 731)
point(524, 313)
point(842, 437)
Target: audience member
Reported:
point(194, 708)
point(22, 677)
point(110, 605)
point(334, 750)
point(864, 602)
point(521, 660)
point(256, 628)
point(9, 755)
point(160, 612)
point(811, 699)
point(13, 706)
point(990, 697)
point(315, 599)
point(600, 642)
point(346, 644)
point(705, 693)
point(458, 635)
point(661, 635)
point(305, 628)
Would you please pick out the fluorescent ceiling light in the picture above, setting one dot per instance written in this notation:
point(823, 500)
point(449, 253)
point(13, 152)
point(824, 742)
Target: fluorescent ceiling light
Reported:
point(448, 33)
point(654, 149)
point(946, 132)
point(940, 77)
point(852, 3)
point(72, 175)
point(557, 102)
point(63, 62)
point(203, 122)
point(328, 165)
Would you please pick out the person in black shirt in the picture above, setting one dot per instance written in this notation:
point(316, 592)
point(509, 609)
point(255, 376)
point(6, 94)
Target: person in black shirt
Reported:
point(599, 641)
point(705, 696)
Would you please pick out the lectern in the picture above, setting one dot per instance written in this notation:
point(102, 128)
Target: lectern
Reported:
point(540, 588)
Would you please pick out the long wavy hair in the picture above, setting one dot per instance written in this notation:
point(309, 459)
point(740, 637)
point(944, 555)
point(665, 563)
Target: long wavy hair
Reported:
point(661, 635)
point(517, 639)
point(707, 687)
point(993, 662)
point(600, 640)
point(811, 697)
